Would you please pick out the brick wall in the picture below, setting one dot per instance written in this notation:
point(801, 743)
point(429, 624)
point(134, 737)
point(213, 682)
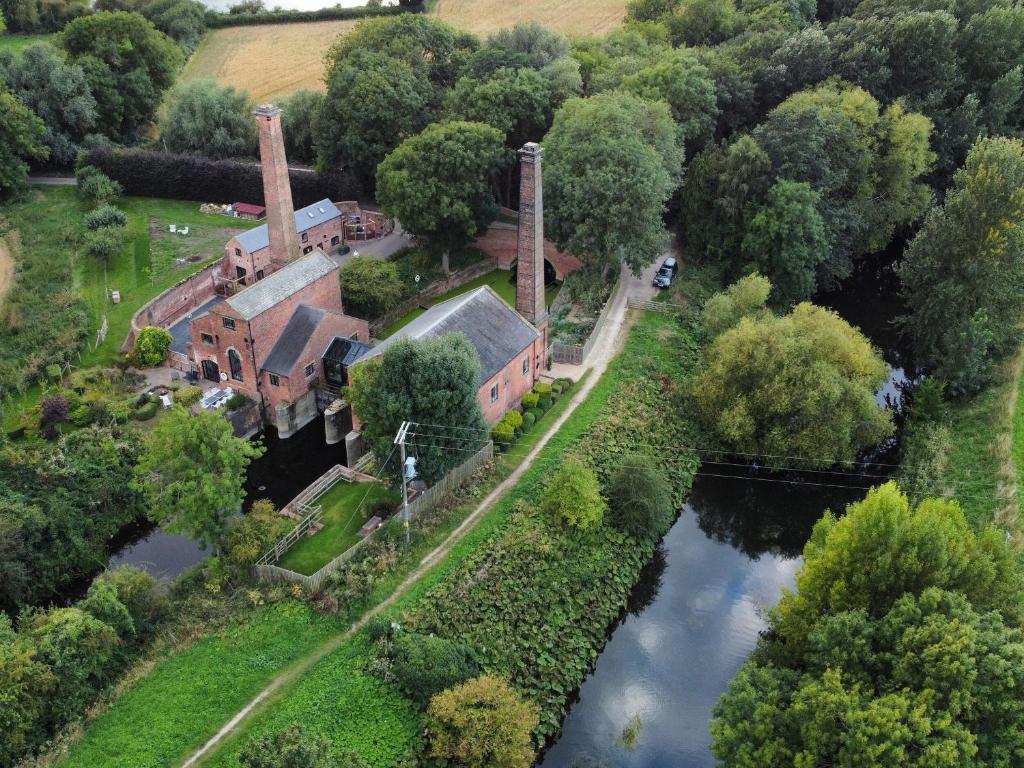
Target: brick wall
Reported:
point(192, 292)
point(320, 236)
point(512, 383)
point(500, 242)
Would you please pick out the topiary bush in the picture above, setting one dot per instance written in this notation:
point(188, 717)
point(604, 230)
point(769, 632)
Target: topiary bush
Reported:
point(528, 420)
point(502, 434)
point(640, 499)
point(535, 412)
point(152, 345)
point(530, 400)
point(515, 418)
point(188, 396)
point(145, 412)
point(545, 402)
point(542, 388)
point(425, 665)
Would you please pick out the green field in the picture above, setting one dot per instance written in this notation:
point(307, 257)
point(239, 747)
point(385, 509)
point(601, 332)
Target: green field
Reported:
point(346, 507)
point(18, 43)
point(499, 280)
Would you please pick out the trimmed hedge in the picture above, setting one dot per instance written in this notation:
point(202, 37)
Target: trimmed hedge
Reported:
point(216, 20)
point(147, 173)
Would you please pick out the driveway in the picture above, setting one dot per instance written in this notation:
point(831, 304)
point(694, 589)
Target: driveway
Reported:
point(381, 248)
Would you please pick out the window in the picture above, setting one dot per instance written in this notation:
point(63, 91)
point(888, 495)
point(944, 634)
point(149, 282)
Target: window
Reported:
point(305, 237)
point(235, 363)
point(238, 251)
point(308, 249)
point(309, 369)
point(259, 274)
point(274, 380)
point(240, 272)
point(229, 322)
point(494, 393)
point(526, 365)
point(207, 338)
point(334, 240)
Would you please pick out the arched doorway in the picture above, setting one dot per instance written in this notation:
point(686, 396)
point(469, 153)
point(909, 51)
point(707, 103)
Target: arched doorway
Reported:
point(211, 371)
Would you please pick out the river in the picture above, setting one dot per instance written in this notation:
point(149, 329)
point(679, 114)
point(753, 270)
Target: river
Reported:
point(698, 609)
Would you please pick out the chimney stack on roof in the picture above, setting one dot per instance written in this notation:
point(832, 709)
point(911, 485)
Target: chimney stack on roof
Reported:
point(284, 240)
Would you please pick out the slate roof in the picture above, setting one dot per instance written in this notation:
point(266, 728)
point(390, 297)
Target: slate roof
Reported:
point(256, 238)
point(345, 351)
point(498, 332)
point(293, 339)
point(279, 285)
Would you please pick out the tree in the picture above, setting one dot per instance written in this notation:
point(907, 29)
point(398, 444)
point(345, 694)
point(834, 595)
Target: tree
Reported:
point(35, 16)
point(184, 21)
point(482, 724)
point(437, 183)
point(21, 139)
point(747, 297)
point(191, 473)
point(128, 64)
point(425, 665)
point(255, 532)
point(433, 381)
point(573, 496)
point(151, 346)
point(612, 161)
point(56, 92)
point(515, 101)
point(209, 119)
point(95, 186)
point(901, 645)
point(103, 244)
point(295, 747)
point(800, 385)
point(786, 241)
point(370, 287)
point(963, 271)
point(299, 113)
point(106, 216)
point(703, 22)
point(640, 499)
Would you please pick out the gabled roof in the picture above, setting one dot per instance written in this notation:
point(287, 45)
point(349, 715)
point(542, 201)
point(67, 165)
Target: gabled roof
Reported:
point(497, 331)
point(256, 210)
point(293, 339)
point(317, 213)
point(279, 285)
point(345, 351)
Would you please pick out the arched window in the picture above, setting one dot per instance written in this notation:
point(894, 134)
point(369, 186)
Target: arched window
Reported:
point(235, 362)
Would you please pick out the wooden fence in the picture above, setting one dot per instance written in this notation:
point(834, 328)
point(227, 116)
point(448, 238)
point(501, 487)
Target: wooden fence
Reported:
point(575, 354)
point(280, 549)
point(268, 572)
point(653, 306)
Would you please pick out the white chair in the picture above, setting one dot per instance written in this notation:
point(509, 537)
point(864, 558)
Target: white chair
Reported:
point(172, 228)
point(183, 231)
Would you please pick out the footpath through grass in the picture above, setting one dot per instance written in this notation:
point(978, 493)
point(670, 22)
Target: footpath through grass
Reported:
point(347, 506)
point(627, 391)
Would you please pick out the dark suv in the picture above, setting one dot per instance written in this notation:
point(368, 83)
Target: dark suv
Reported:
point(666, 273)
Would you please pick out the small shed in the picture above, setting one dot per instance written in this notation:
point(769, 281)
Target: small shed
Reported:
point(249, 211)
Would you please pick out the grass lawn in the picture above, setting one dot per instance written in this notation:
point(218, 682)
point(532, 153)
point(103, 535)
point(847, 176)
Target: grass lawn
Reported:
point(18, 43)
point(571, 17)
point(268, 60)
point(346, 507)
point(499, 280)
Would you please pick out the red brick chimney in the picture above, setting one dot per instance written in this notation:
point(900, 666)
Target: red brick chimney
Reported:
point(530, 246)
point(284, 241)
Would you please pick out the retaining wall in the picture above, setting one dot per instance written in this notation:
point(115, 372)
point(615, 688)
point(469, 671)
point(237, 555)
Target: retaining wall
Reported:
point(185, 296)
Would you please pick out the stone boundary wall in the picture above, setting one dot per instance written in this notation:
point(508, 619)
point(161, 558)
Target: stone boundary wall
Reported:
point(184, 296)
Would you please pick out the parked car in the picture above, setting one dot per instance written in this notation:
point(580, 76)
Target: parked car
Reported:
point(670, 264)
point(663, 278)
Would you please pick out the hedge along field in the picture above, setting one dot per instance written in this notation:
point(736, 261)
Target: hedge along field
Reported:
point(187, 696)
point(268, 61)
point(570, 17)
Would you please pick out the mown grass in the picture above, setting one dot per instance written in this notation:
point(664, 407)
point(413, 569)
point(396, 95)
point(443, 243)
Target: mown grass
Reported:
point(571, 17)
point(189, 694)
point(347, 506)
point(267, 61)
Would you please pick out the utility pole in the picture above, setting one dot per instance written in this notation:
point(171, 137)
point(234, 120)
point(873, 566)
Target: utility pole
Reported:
point(400, 442)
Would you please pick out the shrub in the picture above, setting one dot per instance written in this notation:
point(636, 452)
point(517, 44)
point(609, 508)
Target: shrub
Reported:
point(53, 373)
point(535, 412)
point(55, 409)
point(573, 495)
point(640, 499)
point(188, 396)
point(528, 420)
point(382, 508)
point(482, 724)
point(515, 418)
point(95, 186)
point(104, 243)
point(106, 216)
point(370, 287)
point(542, 388)
point(502, 434)
point(425, 665)
point(530, 400)
point(545, 403)
point(145, 412)
point(554, 397)
point(557, 387)
point(236, 401)
point(295, 747)
point(152, 345)
point(119, 411)
point(254, 533)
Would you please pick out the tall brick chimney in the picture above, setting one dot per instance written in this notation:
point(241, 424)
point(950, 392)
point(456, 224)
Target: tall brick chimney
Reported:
point(530, 246)
point(284, 241)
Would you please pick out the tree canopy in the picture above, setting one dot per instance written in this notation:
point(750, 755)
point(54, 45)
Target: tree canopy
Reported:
point(209, 119)
point(21, 139)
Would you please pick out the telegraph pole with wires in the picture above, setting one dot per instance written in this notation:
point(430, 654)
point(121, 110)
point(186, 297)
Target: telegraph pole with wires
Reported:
point(408, 473)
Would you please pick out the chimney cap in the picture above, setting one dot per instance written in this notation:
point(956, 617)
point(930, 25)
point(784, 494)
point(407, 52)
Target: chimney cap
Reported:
point(267, 110)
point(531, 149)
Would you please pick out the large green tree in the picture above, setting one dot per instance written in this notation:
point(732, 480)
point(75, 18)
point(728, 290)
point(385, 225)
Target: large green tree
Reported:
point(438, 183)
point(900, 646)
point(963, 273)
point(611, 163)
point(515, 101)
point(299, 114)
point(429, 382)
point(21, 139)
point(57, 92)
point(799, 385)
point(192, 474)
point(210, 119)
point(128, 64)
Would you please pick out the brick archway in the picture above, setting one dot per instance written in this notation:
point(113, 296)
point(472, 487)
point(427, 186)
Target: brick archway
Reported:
point(500, 240)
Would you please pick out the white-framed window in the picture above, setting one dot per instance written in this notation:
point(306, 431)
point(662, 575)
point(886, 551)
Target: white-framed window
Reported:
point(229, 322)
point(494, 393)
point(310, 369)
point(274, 380)
point(526, 365)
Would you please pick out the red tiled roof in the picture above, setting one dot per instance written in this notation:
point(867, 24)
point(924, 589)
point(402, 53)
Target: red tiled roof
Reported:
point(257, 210)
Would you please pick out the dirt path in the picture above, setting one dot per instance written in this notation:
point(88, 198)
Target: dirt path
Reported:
point(6, 269)
point(604, 351)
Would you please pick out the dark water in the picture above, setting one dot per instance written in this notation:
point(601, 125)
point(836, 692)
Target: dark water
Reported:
point(698, 609)
point(280, 474)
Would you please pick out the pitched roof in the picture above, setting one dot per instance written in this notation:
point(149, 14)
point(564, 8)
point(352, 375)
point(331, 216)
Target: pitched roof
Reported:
point(497, 331)
point(293, 339)
point(257, 210)
point(279, 285)
point(345, 351)
point(317, 213)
